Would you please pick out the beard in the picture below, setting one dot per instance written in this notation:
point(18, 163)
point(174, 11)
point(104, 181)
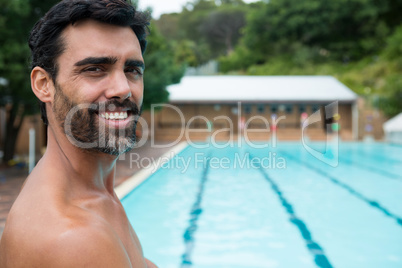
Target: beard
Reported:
point(85, 130)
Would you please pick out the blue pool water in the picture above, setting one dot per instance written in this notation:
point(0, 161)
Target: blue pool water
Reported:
point(272, 207)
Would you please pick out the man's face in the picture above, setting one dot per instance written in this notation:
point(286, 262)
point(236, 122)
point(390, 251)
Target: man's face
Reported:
point(99, 86)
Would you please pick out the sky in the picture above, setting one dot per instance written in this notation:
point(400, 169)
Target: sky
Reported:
point(167, 6)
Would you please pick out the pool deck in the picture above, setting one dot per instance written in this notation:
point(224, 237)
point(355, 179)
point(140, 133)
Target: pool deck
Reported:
point(12, 178)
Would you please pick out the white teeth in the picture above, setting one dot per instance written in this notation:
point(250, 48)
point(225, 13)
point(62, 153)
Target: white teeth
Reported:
point(115, 116)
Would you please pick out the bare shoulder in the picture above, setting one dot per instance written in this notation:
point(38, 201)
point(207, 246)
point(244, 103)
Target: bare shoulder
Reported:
point(46, 229)
point(75, 245)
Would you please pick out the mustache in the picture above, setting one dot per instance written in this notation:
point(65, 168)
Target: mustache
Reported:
point(114, 104)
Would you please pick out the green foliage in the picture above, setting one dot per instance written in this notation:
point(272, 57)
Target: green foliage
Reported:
point(221, 28)
point(394, 45)
point(345, 29)
point(205, 29)
point(190, 53)
point(391, 101)
point(18, 17)
point(240, 59)
point(162, 69)
point(168, 26)
point(192, 17)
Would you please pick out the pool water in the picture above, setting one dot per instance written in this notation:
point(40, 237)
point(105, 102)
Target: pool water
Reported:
point(272, 207)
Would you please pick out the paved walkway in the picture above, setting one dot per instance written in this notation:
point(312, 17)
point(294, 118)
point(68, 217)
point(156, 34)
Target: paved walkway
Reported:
point(12, 178)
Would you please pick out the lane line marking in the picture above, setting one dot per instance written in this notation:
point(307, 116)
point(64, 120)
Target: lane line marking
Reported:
point(315, 249)
point(348, 188)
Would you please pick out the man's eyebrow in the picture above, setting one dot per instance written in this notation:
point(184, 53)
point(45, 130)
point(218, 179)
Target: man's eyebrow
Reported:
point(96, 60)
point(135, 63)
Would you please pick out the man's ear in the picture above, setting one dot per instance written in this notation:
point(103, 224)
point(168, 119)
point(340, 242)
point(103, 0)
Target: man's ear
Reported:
point(42, 85)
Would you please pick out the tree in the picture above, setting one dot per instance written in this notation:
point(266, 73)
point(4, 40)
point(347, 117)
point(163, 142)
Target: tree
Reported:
point(222, 28)
point(344, 29)
point(206, 29)
point(391, 101)
point(168, 26)
point(17, 19)
point(161, 69)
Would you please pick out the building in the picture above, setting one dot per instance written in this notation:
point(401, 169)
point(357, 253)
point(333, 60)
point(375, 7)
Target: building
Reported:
point(221, 106)
point(393, 130)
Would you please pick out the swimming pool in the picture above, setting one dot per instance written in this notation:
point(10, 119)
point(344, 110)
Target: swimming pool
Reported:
point(272, 207)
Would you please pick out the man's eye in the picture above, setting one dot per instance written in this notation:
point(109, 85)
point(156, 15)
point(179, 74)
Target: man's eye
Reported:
point(135, 71)
point(93, 69)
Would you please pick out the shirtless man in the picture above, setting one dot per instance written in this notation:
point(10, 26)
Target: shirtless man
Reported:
point(87, 65)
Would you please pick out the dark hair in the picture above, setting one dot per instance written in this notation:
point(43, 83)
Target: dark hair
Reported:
point(45, 39)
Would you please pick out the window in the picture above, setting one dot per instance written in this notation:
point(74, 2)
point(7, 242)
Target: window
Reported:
point(247, 109)
point(289, 108)
point(261, 108)
point(282, 107)
point(315, 108)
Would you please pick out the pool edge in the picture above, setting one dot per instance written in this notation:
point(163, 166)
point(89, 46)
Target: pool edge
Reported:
point(134, 181)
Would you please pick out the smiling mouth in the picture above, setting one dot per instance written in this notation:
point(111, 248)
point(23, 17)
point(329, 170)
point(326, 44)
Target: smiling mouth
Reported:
point(115, 115)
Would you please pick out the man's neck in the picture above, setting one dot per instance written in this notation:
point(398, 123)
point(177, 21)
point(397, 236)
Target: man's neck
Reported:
point(92, 170)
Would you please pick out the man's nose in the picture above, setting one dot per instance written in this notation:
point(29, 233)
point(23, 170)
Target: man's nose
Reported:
point(119, 87)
